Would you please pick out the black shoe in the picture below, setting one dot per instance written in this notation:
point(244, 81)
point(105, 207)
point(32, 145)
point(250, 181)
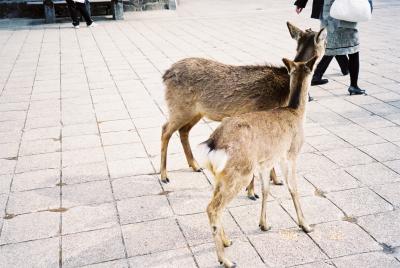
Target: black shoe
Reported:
point(316, 82)
point(356, 91)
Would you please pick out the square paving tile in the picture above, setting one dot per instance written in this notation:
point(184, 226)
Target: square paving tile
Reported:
point(190, 201)
point(130, 167)
point(382, 152)
point(34, 200)
point(348, 157)
point(197, 230)
point(367, 260)
point(37, 253)
point(87, 218)
point(92, 247)
point(172, 258)
point(327, 142)
point(85, 173)
point(316, 209)
point(124, 151)
point(5, 182)
point(343, 238)
point(153, 236)
point(136, 186)
point(384, 227)
point(143, 208)
point(31, 147)
point(359, 202)
point(121, 137)
point(123, 263)
point(181, 180)
point(40, 161)
point(8, 150)
point(36, 179)
point(331, 180)
point(390, 192)
point(80, 142)
point(30, 227)
point(248, 217)
point(311, 162)
point(7, 166)
point(240, 252)
point(296, 247)
point(374, 173)
point(82, 156)
point(89, 193)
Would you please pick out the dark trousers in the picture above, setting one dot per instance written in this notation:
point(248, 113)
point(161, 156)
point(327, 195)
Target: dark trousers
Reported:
point(74, 7)
point(342, 60)
point(352, 64)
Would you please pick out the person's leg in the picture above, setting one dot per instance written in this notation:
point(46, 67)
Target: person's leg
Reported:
point(84, 12)
point(320, 70)
point(343, 62)
point(354, 68)
point(73, 12)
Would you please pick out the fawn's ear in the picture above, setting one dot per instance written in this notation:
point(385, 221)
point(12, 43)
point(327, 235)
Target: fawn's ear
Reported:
point(310, 64)
point(321, 36)
point(289, 64)
point(295, 32)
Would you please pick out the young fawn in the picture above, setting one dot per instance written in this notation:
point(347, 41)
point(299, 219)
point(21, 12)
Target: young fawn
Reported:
point(197, 88)
point(253, 143)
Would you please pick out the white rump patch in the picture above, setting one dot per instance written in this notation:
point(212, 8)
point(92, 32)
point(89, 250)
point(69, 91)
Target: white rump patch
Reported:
point(216, 158)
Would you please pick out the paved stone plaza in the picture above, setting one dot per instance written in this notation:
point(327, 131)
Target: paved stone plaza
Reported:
point(80, 122)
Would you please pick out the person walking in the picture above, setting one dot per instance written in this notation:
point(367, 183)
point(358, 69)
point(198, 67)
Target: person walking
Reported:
point(342, 40)
point(79, 5)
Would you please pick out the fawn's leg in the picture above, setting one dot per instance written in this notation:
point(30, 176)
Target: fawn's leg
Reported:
point(275, 178)
point(292, 185)
point(184, 135)
point(265, 183)
point(221, 197)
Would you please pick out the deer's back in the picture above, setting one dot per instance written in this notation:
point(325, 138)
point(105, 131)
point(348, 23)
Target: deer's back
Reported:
point(226, 90)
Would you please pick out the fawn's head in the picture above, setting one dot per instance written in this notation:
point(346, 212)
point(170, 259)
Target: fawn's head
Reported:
point(300, 79)
point(309, 43)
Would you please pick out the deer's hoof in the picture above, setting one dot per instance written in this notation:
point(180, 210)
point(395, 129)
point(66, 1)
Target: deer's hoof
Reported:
point(165, 180)
point(264, 228)
point(278, 183)
point(306, 228)
point(199, 170)
point(252, 197)
point(228, 244)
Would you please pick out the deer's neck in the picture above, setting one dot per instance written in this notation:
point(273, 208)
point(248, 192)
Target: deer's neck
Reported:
point(299, 93)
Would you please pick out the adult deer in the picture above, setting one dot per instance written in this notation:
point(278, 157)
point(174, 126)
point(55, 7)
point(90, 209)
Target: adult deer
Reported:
point(197, 88)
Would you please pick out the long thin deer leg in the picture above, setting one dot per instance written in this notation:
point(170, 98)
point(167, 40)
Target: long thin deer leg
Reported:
point(265, 185)
point(275, 178)
point(292, 185)
point(184, 136)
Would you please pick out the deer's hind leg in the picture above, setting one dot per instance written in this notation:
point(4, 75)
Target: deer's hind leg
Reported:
point(224, 192)
point(275, 178)
point(184, 136)
point(168, 129)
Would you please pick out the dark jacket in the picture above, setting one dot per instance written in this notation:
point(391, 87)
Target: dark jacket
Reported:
point(316, 7)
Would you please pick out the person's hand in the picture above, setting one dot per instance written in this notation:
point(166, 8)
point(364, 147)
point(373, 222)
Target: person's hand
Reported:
point(299, 10)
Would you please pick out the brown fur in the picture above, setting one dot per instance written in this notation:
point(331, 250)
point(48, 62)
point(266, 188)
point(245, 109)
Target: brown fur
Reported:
point(197, 88)
point(255, 142)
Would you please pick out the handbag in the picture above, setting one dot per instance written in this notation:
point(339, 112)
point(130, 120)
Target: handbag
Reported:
point(351, 10)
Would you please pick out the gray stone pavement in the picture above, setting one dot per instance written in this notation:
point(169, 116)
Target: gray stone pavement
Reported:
point(80, 119)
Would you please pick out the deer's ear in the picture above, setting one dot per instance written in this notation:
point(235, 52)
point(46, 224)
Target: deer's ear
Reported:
point(289, 64)
point(310, 64)
point(320, 36)
point(295, 32)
